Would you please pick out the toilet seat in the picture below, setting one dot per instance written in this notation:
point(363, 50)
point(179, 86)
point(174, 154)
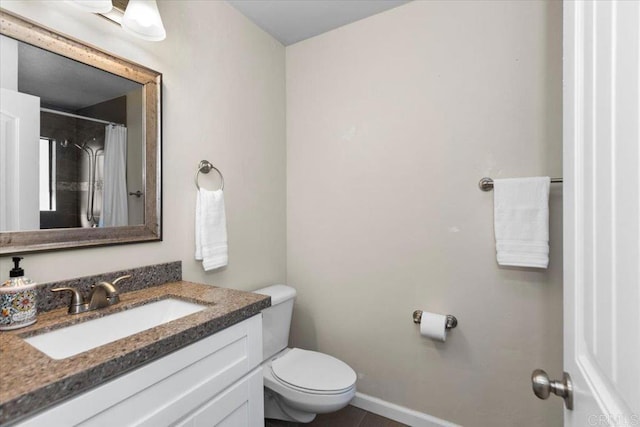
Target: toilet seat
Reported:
point(301, 399)
point(312, 372)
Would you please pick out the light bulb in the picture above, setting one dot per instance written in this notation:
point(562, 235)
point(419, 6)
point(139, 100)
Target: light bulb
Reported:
point(142, 19)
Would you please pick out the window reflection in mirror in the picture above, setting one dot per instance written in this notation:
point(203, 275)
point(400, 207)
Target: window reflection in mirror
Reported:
point(84, 150)
point(47, 175)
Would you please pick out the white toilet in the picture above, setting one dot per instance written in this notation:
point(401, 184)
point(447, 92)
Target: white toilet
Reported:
point(298, 383)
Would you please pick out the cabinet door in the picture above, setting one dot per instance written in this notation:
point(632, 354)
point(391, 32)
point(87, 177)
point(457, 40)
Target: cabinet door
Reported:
point(242, 404)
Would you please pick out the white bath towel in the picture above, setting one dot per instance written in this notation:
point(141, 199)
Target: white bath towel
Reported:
point(521, 221)
point(211, 229)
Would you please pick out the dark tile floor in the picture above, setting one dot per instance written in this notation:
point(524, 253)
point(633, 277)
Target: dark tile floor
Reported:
point(347, 417)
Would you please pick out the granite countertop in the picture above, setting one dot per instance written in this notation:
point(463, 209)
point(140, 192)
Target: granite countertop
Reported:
point(32, 381)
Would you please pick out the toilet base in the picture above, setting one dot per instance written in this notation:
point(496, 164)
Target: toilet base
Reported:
point(274, 408)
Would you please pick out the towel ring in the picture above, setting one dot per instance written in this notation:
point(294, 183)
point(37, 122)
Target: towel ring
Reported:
point(205, 166)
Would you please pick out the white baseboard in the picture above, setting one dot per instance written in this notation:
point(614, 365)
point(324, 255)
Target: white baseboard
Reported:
point(398, 413)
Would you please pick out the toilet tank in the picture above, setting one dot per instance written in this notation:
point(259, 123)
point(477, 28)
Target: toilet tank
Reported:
point(276, 320)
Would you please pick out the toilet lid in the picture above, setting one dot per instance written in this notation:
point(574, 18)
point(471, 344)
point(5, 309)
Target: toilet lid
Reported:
point(313, 371)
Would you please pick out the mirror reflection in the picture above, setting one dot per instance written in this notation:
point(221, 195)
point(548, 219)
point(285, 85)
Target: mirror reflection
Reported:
point(72, 143)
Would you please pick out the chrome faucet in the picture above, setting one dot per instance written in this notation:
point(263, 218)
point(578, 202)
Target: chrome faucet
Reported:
point(102, 295)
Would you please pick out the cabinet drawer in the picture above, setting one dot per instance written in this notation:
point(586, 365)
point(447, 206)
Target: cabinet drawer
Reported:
point(242, 404)
point(165, 390)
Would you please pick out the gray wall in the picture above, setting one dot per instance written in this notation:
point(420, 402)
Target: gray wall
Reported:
point(391, 122)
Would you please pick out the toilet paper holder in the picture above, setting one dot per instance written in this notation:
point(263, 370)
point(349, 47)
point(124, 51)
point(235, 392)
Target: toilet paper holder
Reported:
point(452, 322)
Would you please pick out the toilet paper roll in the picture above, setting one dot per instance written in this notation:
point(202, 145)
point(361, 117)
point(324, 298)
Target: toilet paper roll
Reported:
point(433, 326)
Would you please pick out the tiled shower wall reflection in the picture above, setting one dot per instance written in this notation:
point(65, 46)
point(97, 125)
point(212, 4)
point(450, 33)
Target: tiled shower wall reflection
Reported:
point(61, 129)
point(72, 163)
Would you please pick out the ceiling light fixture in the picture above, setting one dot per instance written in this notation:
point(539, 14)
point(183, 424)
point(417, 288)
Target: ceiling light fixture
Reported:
point(95, 6)
point(142, 19)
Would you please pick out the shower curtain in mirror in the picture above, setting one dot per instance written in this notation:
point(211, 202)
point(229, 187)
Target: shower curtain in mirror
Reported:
point(114, 208)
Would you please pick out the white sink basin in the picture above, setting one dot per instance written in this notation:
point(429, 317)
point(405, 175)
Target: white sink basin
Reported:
point(74, 339)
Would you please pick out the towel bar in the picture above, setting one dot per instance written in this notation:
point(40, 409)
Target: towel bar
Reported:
point(205, 166)
point(486, 184)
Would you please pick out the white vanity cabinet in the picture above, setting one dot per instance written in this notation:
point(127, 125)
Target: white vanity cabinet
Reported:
point(216, 381)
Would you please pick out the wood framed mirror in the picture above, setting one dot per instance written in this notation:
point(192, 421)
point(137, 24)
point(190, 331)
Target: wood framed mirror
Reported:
point(76, 96)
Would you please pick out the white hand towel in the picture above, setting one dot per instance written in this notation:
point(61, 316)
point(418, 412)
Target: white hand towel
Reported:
point(521, 221)
point(211, 229)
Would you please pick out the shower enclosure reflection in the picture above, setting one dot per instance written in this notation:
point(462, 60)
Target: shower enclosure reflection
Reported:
point(80, 175)
point(90, 145)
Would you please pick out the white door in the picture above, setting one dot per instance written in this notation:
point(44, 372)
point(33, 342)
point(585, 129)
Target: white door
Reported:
point(602, 211)
point(19, 161)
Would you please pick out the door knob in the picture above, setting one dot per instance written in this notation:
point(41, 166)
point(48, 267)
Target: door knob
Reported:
point(543, 387)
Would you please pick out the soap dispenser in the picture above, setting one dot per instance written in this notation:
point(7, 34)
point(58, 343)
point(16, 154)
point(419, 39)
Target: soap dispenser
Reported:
point(18, 298)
